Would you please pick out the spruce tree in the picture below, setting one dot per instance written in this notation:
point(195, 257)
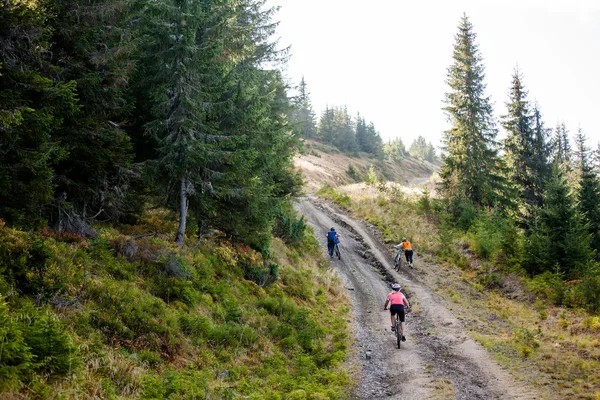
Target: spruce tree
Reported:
point(471, 165)
point(418, 148)
point(560, 238)
point(221, 150)
point(326, 128)
point(302, 115)
point(395, 150)
point(375, 142)
point(523, 168)
point(541, 156)
point(92, 46)
point(589, 190)
point(362, 135)
point(33, 108)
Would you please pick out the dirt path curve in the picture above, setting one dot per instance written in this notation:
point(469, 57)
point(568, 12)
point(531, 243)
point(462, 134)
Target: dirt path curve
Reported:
point(438, 358)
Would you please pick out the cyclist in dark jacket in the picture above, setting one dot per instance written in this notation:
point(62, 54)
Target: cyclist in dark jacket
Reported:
point(332, 239)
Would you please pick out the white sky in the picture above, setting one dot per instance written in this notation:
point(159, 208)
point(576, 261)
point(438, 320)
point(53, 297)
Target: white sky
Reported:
point(388, 58)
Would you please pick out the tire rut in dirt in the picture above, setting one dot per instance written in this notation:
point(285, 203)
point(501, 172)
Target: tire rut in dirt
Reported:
point(443, 355)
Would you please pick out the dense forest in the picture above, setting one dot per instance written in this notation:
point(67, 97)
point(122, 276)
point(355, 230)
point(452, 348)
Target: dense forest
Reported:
point(109, 106)
point(531, 200)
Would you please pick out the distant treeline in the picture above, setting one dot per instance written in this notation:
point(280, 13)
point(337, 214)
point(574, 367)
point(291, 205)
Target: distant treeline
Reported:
point(351, 135)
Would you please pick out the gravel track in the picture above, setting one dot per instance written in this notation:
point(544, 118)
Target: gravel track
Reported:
point(438, 349)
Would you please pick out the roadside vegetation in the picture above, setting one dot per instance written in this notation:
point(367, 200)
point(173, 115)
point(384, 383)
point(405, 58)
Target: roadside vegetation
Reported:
point(538, 327)
point(130, 315)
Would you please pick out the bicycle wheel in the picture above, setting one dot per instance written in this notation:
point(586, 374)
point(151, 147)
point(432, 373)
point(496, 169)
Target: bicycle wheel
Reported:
point(398, 261)
point(398, 328)
point(337, 251)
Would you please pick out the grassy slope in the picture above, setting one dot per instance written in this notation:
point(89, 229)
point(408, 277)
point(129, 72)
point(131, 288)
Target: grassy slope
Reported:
point(324, 164)
point(550, 347)
point(154, 322)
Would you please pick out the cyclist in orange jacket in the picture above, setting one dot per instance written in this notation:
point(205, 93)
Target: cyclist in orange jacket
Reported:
point(408, 251)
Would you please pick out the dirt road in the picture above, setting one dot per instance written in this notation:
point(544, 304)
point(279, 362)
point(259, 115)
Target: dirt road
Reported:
point(438, 360)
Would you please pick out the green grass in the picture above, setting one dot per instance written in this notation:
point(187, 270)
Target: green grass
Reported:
point(154, 322)
point(330, 193)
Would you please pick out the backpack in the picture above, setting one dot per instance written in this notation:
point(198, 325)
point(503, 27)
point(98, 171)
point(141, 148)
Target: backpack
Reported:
point(331, 235)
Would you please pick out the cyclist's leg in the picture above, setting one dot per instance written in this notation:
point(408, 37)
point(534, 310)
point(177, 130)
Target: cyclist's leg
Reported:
point(330, 247)
point(409, 256)
point(402, 314)
point(392, 318)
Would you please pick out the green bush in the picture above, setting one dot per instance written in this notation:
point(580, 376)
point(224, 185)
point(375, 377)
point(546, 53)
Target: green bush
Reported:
point(125, 312)
point(491, 281)
point(196, 327)
point(483, 237)
point(149, 357)
point(587, 292)
point(15, 356)
point(53, 349)
point(330, 193)
point(23, 260)
point(353, 173)
point(261, 275)
point(278, 305)
point(550, 286)
point(288, 227)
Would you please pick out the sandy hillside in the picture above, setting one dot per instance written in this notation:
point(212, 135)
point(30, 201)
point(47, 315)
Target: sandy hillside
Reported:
point(322, 164)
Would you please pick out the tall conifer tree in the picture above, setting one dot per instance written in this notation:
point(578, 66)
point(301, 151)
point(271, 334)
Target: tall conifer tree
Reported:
point(519, 149)
point(303, 116)
point(471, 165)
point(560, 237)
point(589, 190)
point(541, 155)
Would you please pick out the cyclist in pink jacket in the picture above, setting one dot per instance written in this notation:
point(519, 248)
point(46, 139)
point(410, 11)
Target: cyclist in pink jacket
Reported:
point(397, 300)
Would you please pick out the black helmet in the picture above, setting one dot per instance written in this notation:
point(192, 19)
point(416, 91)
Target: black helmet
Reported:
point(332, 229)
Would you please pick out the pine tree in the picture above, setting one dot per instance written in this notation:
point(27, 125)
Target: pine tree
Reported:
point(395, 150)
point(33, 107)
point(92, 46)
point(562, 148)
point(589, 190)
point(541, 156)
point(559, 236)
point(418, 148)
point(326, 129)
point(471, 165)
point(375, 142)
point(521, 149)
point(344, 133)
point(303, 116)
point(222, 152)
point(362, 135)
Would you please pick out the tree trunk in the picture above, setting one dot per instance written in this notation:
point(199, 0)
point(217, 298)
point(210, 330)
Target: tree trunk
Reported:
point(180, 236)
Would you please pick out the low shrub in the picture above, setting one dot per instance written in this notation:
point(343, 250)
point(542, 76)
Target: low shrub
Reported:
point(330, 193)
point(262, 275)
point(288, 226)
point(16, 357)
point(353, 173)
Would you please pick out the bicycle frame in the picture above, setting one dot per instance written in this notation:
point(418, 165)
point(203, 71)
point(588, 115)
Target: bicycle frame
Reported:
point(398, 259)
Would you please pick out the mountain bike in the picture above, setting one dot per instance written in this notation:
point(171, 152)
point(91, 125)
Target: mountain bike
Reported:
point(398, 330)
point(336, 251)
point(398, 259)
